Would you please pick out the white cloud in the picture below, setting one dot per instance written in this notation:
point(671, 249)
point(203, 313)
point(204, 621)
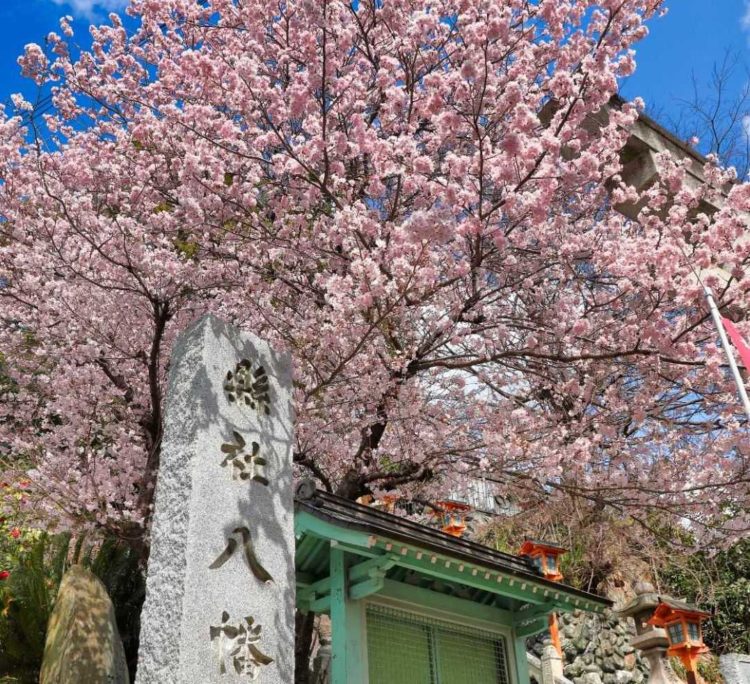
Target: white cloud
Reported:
point(90, 8)
point(745, 21)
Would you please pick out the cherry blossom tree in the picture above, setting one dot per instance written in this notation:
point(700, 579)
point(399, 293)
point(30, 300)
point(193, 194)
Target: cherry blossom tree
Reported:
point(409, 197)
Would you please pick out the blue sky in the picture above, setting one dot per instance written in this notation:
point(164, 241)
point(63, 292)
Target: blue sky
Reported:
point(693, 35)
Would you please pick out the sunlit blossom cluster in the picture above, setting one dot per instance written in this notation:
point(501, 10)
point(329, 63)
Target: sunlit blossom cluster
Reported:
point(411, 199)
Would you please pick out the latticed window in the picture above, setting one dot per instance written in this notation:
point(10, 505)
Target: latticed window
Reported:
point(675, 633)
point(404, 648)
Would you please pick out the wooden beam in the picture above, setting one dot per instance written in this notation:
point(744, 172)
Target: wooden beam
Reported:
point(530, 612)
point(348, 643)
point(529, 628)
point(366, 578)
point(304, 523)
point(521, 661)
point(451, 605)
point(448, 570)
point(378, 565)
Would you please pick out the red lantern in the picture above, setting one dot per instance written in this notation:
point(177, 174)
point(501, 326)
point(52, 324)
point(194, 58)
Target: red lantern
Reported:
point(682, 622)
point(452, 516)
point(545, 557)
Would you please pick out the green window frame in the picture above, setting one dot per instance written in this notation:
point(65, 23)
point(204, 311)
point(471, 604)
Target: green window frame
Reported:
point(411, 648)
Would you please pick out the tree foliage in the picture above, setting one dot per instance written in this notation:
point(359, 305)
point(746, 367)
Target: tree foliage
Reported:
point(411, 199)
point(721, 584)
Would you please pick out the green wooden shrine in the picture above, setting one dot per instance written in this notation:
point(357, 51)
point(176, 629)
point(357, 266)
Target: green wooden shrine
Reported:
point(412, 604)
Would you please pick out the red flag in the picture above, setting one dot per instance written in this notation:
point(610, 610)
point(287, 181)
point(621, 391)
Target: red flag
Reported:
point(739, 344)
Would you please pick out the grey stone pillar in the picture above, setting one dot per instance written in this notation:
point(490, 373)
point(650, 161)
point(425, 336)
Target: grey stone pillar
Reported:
point(220, 585)
point(735, 668)
point(552, 664)
point(651, 641)
point(654, 644)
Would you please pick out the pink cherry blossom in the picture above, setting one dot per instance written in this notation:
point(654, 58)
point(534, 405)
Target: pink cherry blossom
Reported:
point(410, 200)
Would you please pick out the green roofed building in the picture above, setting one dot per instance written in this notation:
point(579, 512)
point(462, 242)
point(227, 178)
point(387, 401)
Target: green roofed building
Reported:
point(410, 604)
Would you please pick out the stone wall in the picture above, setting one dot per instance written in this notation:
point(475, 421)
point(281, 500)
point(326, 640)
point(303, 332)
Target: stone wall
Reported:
point(597, 649)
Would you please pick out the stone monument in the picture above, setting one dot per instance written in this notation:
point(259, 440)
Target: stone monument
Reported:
point(83, 644)
point(220, 584)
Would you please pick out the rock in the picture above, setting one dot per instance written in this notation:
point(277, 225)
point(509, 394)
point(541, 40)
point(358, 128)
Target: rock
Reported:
point(608, 665)
point(623, 677)
point(630, 660)
point(575, 669)
point(609, 678)
point(83, 644)
point(591, 678)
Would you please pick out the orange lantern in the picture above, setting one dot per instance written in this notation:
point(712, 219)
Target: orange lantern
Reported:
point(545, 557)
point(452, 516)
point(389, 502)
point(682, 622)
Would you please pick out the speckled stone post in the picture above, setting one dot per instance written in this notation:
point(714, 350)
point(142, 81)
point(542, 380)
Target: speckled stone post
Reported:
point(220, 584)
point(651, 641)
point(735, 667)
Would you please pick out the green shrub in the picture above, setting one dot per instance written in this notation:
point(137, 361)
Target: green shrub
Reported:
point(721, 584)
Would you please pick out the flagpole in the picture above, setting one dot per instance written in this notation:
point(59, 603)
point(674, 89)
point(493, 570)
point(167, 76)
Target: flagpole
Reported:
point(728, 350)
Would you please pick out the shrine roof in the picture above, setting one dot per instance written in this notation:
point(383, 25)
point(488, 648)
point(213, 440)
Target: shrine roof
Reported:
point(386, 532)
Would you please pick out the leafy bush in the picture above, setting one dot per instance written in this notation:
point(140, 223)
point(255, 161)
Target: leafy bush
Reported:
point(721, 584)
point(28, 596)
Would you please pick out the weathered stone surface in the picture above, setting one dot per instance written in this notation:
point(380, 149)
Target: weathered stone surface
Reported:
point(83, 644)
point(552, 665)
point(598, 645)
point(591, 678)
point(623, 677)
point(735, 667)
point(222, 542)
point(574, 670)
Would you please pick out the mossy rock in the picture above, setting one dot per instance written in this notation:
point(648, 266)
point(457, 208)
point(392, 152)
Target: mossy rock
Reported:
point(83, 644)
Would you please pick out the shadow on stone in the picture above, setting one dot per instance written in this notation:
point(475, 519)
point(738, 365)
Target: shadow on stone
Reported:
point(83, 644)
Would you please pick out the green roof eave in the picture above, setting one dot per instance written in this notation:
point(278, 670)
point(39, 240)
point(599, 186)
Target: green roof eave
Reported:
point(441, 563)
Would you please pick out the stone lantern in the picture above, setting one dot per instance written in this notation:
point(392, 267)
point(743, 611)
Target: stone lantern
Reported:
point(652, 641)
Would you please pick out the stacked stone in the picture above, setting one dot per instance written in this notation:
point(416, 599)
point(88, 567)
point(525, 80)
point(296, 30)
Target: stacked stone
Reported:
point(597, 649)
